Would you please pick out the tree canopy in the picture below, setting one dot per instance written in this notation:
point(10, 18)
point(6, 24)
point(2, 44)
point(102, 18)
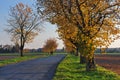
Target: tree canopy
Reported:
point(97, 22)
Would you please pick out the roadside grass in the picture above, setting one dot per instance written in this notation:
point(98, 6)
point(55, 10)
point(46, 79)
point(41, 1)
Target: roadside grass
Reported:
point(70, 69)
point(20, 59)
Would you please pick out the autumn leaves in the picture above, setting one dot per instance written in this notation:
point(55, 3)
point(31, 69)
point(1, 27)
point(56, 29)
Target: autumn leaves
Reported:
point(83, 24)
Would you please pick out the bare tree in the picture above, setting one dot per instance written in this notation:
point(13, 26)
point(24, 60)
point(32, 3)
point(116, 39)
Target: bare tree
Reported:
point(23, 25)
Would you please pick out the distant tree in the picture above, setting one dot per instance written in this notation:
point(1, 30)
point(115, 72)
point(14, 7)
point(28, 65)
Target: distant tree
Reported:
point(23, 25)
point(26, 50)
point(50, 46)
point(15, 48)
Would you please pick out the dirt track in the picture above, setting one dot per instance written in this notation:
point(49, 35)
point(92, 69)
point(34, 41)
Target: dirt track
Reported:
point(111, 62)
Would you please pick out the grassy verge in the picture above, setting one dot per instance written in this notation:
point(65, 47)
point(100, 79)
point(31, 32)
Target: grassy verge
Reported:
point(70, 69)
point(18, 54)
point(20, 59)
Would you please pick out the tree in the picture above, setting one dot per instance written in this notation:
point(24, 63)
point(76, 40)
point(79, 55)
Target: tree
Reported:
point(23, 25)
point(50, 45)
point(97, 22)
point(69, 47)
point(70, 35)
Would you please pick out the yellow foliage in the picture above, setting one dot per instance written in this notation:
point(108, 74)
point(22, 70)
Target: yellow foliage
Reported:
point(85, 22)
point(50, 45)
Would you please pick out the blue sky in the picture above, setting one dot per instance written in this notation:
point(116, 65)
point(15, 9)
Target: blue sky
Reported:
point(49, 31)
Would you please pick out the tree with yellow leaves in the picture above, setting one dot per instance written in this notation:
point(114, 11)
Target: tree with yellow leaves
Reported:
point(50, 46)
point(97, 22)
point(23, 25)
point(69, 47)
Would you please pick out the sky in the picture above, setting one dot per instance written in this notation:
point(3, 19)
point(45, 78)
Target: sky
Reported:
point(49, 30)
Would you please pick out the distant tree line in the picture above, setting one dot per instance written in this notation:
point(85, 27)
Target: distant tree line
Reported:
point(108, 50)
point(9, 48)
point(15, 49)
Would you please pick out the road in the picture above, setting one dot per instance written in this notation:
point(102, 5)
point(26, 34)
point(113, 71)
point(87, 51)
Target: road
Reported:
point(37, 69)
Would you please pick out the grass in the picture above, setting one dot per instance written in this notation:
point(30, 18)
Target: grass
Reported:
point(18, 54)
point(19, 59)
point(70, 69)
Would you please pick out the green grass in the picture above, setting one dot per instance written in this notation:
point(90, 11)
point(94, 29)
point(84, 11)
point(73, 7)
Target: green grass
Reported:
point(70, 69)
point(18, 54)
point(20, 59)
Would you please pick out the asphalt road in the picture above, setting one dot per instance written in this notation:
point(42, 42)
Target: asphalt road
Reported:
point(37, 69)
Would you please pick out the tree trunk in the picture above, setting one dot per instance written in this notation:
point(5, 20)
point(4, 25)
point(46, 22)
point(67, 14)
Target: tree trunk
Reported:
point(77, 52)
point(82, 59)
point(51, 52)
point(91, 66)
point(21, 51)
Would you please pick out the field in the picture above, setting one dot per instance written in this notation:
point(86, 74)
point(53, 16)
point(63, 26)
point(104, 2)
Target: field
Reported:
point(109, 61)
point(6, 56)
